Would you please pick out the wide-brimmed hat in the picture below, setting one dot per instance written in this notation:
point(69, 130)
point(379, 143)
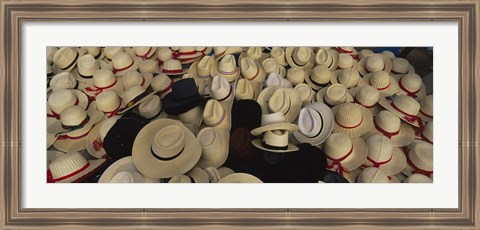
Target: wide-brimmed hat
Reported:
point(426, 108)
point(214, 142)
point(327, 58)
point(63, 80)
point(184, 96)
point(87, 65)
point(73, 168)
point(162, 85)
point(109, 103)
point(334, 95)
point(315, 124)
point(246, 114)
point(383, 82)
point(382, 154)
point(344, 153)
point(216, 174)
point(124, 171)
point(65, 59)
point(411, 85)
point(144, 53)
point(287, 101)
point(368, 97)
point(214, 115)
point(352, 119)
point(374, 63)
point(123, 63)
point(65, 98)
point(346, 61)
point(240, 178)
point(165, 148)
point(427, 134)
point(195, 175)
point(275, 141)
point(306, 93)
point(404, 107)
point(300, 57)
point(134, 78)
point(278, 54)
point(389, 125)
point(296, 75)
point(152, 108)
point(103, 80)
point(274, 79)
point(401, 66)
point(134, 96)
point(271, 66)
point(319, 78)
point(274, 121)
point(227, 67)
point(348, 77)
point(74, 118)
point(94, 139)
point(149, 66)
point(419, 159)
point(418, 178)
point(372, 175)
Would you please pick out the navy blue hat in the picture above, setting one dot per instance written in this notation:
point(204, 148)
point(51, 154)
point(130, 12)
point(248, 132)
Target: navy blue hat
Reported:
point(184, 97)
point(328, 176)
point(246, 114)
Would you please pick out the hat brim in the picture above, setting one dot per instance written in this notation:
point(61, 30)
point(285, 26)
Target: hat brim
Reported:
point(240, 178)
point(360, 130)
point(152, 167)
point(123, 164)
point(334, 80)
point(258, 143)
point(94, 166)
point(387, 62)
point(374, 110)
point(390, 90)
point(327, 126)
point(396, 164)
point(405, 136)
point(95, 117)
point(136, 64)
point(199, 175)
point(129, 107)
point(386, 104)
point(92, 91)
point(89, 140)
point(280, 126)
point(264, 96)
point(420, 95)
point(358, 155)
point(230, 78)
point(52, 155)
point(352, 175)
point(320, 95)
point(309, 65)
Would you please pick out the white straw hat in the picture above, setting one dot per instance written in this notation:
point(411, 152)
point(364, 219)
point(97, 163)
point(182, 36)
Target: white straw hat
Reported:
point(368, 97)
point(349, 50)
point(427, 134)
point(252, 70)
point(152, 108)
point(300, 57)
point(273, 121)
point(275, 141)
point(124, 171)
point(372, 175)
point(111, 51)
point(149, 66)
point(240, 178)
point(220, 52)
point(50, 52)
point(296, 75)
point(327, 58)
point(404, 107)
point(51, 138)
point(389, 125)
point(195, 175)
point(63, 80)
point(216, 175)
point(411, 85)
point(420, 159)
point(94, 143)
point(216, 116)
point(134, 78)
point(278, 54)
point(245, 90)
point(344, 154)
point(103, 80)
point(346, 61)
point(144, 53)
point(364, 53)
point(227, 67)
point(123, 63)
point(306, 93)
point(374, 63)
point(65, 98)
point(96, 52)
point(334, 95)
point(348, 77)
point(271, 66)
point(287, 101)
point(389, 54)
point(163, 54)
point(319, 78)
point(162, 84)
point(165, 148)
point(192, 118)
point(87, 65)
point(401, 66)
point(352, 119)
point(255, 53)
point(65, 58)
point(315, 124)
point(426, 108)
point(418, 178)
point(215, 143)
point(201, 69)
point(382, 154)
point(134, 96)
point(274, 79)
point(221, 90)
point(383, 82)
point(74, 118)
point(109, 103)
point(73, 167)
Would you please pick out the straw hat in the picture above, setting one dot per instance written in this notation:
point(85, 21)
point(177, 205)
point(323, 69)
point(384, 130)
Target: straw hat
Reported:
point(74, 118)
point(73, 168)
point(300, 57)
point(195, 175)
point(382, 154)
point(401, 66)
point(252, 70)
point(96, 52)
point(374, 63)
point(348, 77)
point(65, 98)
point(389, 54)
point(404, 107)
point(220, 52)
point(214, 142)
point(347, 50)
point(111, 51)
point(327, 58)
point(275, 141)
point(149, 66)
point(389, 125)
point(109, 103)
point(368, 97)
point(420, 159)
point(227, 67)
point(344, 153)
point(161, 84)
point(271, 66)
point(63, 80)
point(306, 93)
point(364, 53)
point(240, 178)
point(103, 80)
point(352, 119)
point(94, 139)
point(51, 138)
point(411, 85)
point(165, 148)
point(346, 61)
point(274, 121)
point(278, 54)
point(427, 134)
point(50, 52)
point(334, 95)
point(418, 178)
point(134, 78)
point(372, 175)
point(216, 116)
point(173, 68)
point(87, 65)
point(192, 117)
point(426, 108)
point(124, 171)
point(384, 83)
point(319, 78)
point(152, 108)
point(276, 80)
point(255, 53)
point(163, 54)
point(296, 75)
point(201, 72)
point(123, 63)
point(144, 53)
point(287, 101)
point(65, 59)
point(221, 90)
point(216, 175)
point(315, 123)
point(134, 96)
point(245, 90)
point(352, 175)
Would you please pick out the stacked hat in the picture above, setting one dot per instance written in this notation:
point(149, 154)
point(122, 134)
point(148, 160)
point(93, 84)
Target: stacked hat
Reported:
point(275, 130)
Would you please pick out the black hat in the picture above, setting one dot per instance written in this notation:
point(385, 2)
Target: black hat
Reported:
point(328, 176)
point(184, 97)
point(120, 137)
point(246, 114)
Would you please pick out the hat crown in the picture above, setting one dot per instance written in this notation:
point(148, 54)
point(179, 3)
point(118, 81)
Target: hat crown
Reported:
point(274, 79)
point(374, 63)
point(248, 67)
point(73, 116)
point(106, 126)
point(406, 104)
point(336, 94)
point(61, 99)
point(400, 65)
point(254, 53)
point(121, 60)
point(87, 65)
point(168, 141)
point(277, 52)
point(67, 164)
point(387, 121)
point(244, 89)
point(93, 50)
point(64, 57)
point(227, 64)
point(421, 156)
point(380, 148)
point(277, 138)
point(164, 54)
point(368, 95)
point(305, 91)
point(426, 105)
point(279, 102)
point(272, 118)
point(301, 55)
point(321, 75)
point(296, 75)
point(204, 65)
point(417, 178)
point(220, 87)
point(110, 51)
point(184, 89)
point(345, 61)
point(148, 66)
point(150, 107)
point(380, 79)
point(428, 131)
point(63, 80)
point(160, 82)
point(412, 82)
point(132, 92)
point(324, 57)
point(132, 78)
point(141, 51)
point(349, 115)
point(214, 113)
point(207, 137)
point(107, 101)
point(364, 53)
point(337, 145)
point(372, 175)
point(127, 177)
point(103, 78)
point(309, 122)
point(349, 77)
point(172, 64)
point(270, 65)
point(181, 179)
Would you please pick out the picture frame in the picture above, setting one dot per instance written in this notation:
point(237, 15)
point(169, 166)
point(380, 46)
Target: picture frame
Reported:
point(15, 13)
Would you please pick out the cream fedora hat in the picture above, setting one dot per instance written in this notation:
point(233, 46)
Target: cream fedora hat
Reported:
point(134, 96)
point(352, 119)
point(252, 70)
point(111, 51)
point(221, 89)
point(389, 125)
point(372, 175)
point(382, 154)
point(296, 75)
point(245, 90)
point(334, 95)
point(306, 93)
point(220, 52)
point(165, 148)
point(346, 61)
point(216, 174)
point(87, 65)
point(149, 66)
point(195, 175)
point(348, 77)
point(63, 80)
point(214, 115)
point(383, 82)
point(300, 57)
point(124, 171)
point(215, 143)
point(74, 118)
point(109, 103)
point(227, 67)
point(404, 107)
point(73, 167)
point(427, 134)
point(319, 78)
point(273, 121)
point(65, 59)
point(368, 97)
point(374, 63)
point(123, 63)
point(152, 108)
point(274, 79)
point(103, 80)
point(162, 85)
point(327, 57)
point(96, 52)
point(201, 69)
point(419, 159)
point(344, 154)
point(287, 101)
point(278, 54)
point(50, 52)
point(418, 178)
point(426, 108)
point(315, 124)
point(275, 141)
point(401, 66)
point(240, 178)
point(134, 78)
point(271, 66)
point(411, 85)
point(144, 53)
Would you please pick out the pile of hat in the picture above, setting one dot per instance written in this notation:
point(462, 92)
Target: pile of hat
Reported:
point(236, 115)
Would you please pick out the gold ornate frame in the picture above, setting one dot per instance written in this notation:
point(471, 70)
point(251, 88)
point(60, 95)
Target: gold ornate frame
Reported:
point(14, 13)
